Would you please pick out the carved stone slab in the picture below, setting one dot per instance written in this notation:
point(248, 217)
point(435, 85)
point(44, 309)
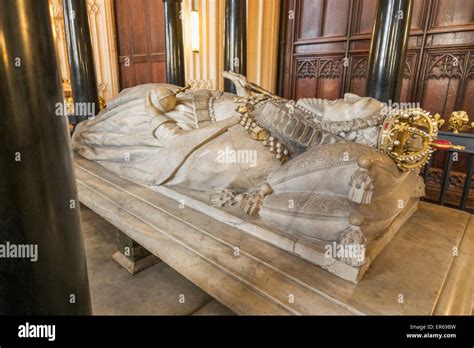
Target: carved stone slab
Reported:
point(310, 249)
point(425, 269)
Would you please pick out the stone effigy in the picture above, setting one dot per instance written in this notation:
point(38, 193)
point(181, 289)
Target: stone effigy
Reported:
point(310, 168)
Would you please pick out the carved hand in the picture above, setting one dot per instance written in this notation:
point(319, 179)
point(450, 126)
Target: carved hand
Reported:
point(239, 81)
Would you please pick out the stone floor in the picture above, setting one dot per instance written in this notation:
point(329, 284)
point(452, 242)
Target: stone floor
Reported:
point(158, 290)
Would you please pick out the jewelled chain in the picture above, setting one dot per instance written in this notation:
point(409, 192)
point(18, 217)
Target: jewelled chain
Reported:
point(257, 132)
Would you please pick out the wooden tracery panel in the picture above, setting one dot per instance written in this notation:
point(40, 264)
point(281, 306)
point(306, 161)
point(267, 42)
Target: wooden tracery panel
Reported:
point(442, 37)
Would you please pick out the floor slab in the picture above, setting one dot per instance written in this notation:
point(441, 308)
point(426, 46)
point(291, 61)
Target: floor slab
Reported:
point(158, 290)
point(213, 307)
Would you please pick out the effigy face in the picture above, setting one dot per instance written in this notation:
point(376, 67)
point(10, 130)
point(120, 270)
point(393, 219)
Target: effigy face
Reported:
point(306, 176)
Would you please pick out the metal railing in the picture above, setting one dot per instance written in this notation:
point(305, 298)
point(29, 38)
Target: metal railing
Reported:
point(466, 140)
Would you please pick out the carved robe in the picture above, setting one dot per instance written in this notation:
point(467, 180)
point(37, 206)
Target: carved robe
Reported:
point(121, 138)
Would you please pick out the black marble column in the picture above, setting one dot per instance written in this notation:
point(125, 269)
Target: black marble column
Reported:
point(174, 43)
point(38, 199)
point(235, 50)
point(81, 63)
point(388, 49)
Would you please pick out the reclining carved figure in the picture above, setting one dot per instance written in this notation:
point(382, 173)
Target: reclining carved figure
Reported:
point(310, 166)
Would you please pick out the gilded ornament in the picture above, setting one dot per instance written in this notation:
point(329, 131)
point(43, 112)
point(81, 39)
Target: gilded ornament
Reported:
point(459, 121)
point(409, 137)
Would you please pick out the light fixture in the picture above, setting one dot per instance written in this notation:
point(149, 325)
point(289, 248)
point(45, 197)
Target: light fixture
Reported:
point(195, 31)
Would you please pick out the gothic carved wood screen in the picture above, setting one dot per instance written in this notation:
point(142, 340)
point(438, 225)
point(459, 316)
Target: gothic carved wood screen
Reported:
point(327, 42)
point(325, 46)
point(140, 41)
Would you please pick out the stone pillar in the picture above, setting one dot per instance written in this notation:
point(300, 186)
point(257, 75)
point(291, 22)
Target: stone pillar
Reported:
point(39, 210)
point(235, 50)
point(81, 63)
point(131, 255)
point(388, 49)
point(174, 43)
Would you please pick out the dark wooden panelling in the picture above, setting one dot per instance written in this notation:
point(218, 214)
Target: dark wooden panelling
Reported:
point(440, 87)
point(409, 76)
point(310, 19)
point(334, 26)
point(363, 16)
point(439, 69)
point(357, 74)
point(417, 17)
point(450, 13)
point(141, 41)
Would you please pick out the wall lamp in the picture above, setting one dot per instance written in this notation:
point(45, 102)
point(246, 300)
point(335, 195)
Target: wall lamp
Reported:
point(195, 31)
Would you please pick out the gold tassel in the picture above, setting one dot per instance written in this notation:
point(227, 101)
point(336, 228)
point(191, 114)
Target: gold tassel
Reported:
point(361, 187)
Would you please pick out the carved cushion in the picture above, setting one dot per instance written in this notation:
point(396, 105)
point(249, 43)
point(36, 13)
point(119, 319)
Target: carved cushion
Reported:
point(315, 215)
point(311, 193)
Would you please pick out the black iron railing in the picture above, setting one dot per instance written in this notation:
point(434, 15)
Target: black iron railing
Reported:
point(463, 139)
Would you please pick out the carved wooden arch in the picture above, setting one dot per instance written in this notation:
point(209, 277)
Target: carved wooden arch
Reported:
point(330, 68)
point(449, 68)
point(307, 69)
point(359, 69)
